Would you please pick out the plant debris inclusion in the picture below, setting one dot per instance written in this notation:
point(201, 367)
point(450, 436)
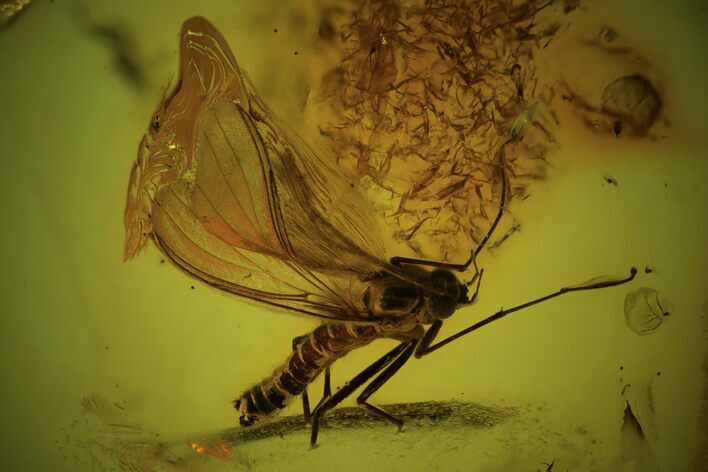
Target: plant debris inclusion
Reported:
point(422, 100)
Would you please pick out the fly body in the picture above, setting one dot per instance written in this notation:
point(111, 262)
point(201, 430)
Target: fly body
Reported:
point(398, 310)
point(233, 197)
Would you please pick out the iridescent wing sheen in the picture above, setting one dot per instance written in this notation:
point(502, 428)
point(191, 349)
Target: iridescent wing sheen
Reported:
point(235, 198)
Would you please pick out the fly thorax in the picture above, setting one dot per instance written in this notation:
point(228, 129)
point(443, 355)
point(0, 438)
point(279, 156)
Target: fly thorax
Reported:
point(391, 297)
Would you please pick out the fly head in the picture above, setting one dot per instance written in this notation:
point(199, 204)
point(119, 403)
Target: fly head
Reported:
point(447, 293)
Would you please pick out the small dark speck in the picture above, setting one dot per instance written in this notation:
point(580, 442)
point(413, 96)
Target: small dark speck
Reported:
point(351, 185)
point(275, 30)
point(162, 261)
point(608, 34)
point(617, 127)
point(117, 385)
point(296, 53)
point(106, 347)
point(611, 180)
point(621, 367)
point(326, 30)
point(192, 287)
point(648, 270)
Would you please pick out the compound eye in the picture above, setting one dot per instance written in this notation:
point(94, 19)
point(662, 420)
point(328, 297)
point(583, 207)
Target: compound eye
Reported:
point(446, 281)
point(441, 307)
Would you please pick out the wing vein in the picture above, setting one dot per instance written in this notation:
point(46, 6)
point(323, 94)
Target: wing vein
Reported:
point(199, 248)
point(252, 208)
point(259, 150)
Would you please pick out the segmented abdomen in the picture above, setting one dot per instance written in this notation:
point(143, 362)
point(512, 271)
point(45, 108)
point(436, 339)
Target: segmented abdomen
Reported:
point(311, 355)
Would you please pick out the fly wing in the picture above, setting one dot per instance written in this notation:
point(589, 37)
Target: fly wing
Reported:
point(235, 198)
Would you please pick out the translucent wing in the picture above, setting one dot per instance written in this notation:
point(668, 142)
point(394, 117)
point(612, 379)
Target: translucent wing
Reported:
point(235, 198)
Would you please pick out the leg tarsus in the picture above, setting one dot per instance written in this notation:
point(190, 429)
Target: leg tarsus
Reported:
point(384, 414)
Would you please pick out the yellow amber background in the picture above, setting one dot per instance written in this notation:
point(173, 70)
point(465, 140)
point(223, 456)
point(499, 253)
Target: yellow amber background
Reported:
point(75, 321)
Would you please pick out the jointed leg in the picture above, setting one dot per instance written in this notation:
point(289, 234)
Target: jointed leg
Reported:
point(327, 384)
point(426, 347)
point(306, 406)
point(363, 377)
point(431, 333)
point(478, 273)
point(325, 394)
point(379, 381)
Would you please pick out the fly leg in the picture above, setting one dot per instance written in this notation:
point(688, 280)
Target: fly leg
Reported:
point(327, 391)
point(360, 379)
point(379, 381)
point(306, 406)
point(426, 345)
point(478, 273)
point(327, 384)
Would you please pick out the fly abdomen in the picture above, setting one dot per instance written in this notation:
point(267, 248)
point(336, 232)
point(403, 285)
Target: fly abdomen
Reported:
point(311, 355)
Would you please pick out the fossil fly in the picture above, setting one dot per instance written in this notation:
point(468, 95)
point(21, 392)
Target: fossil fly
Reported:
point(235, 198)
